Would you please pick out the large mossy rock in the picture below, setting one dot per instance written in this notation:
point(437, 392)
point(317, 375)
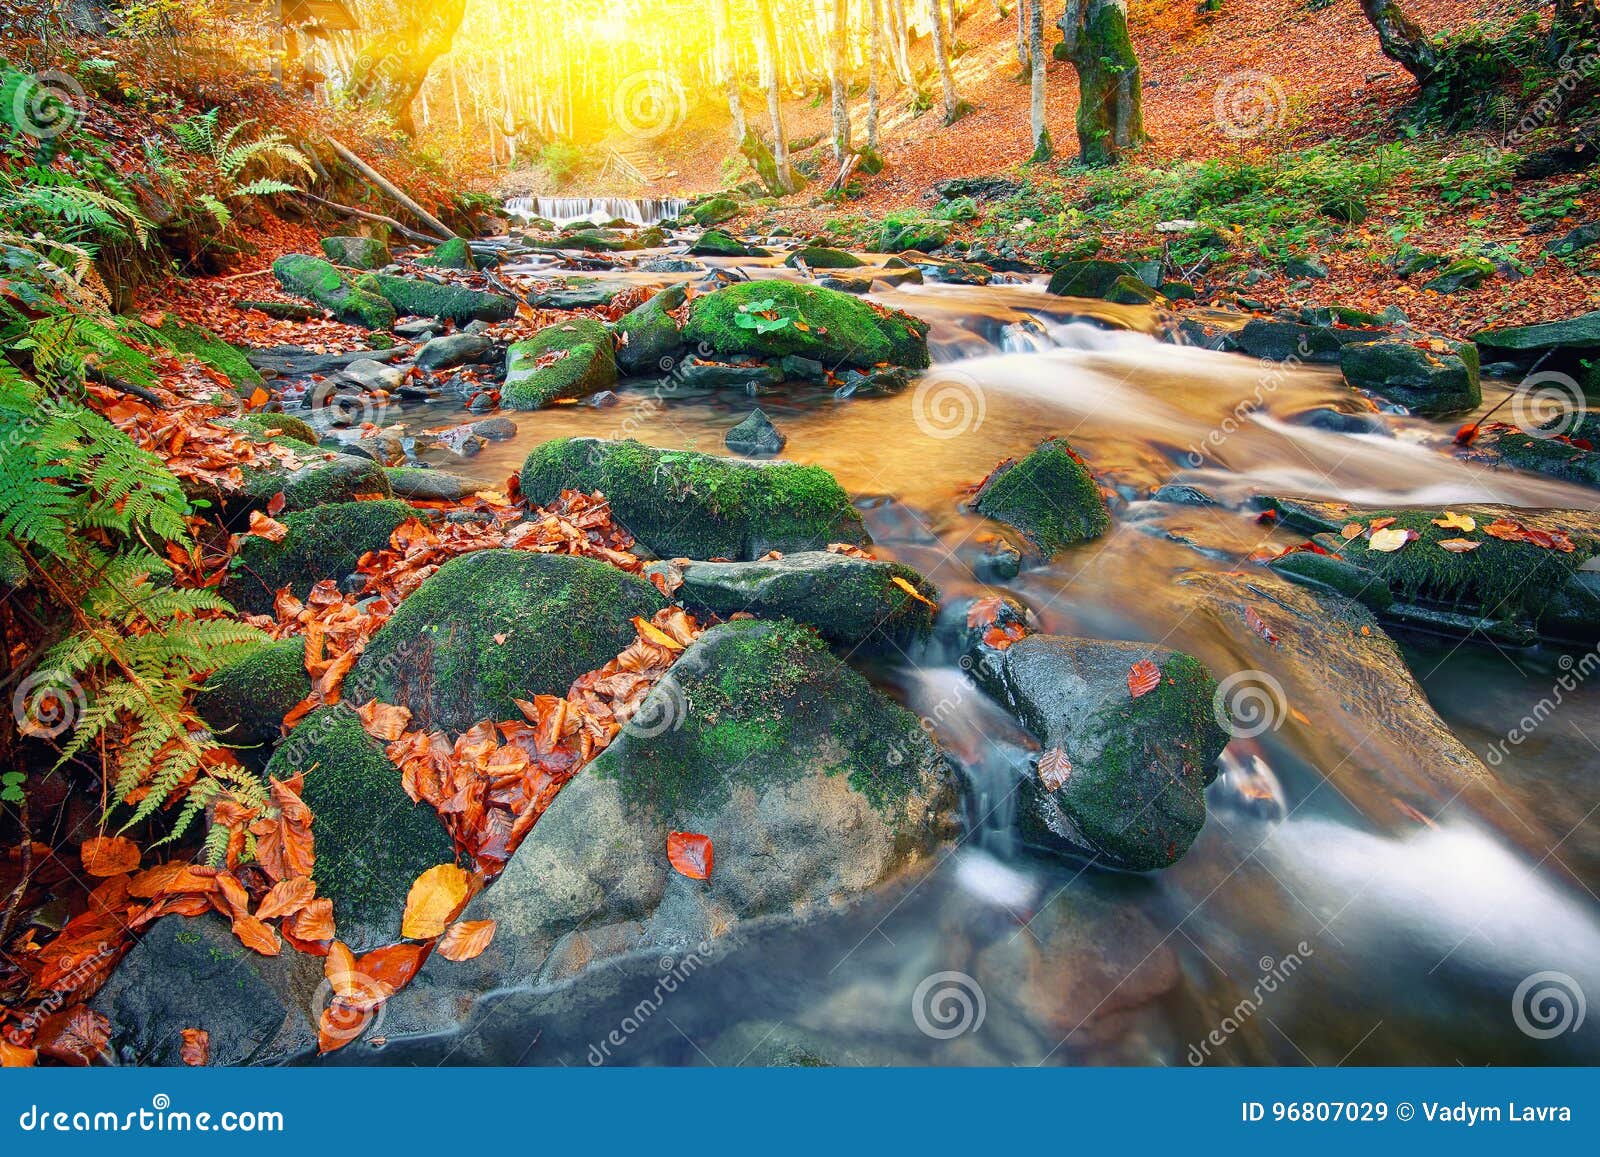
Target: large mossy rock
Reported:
point(813, 788)
point(1500, 589)
point(1134, 794)
point(1093, 277)
point(849, 600)
point(413, 297)
point(372, 842)
point(714, 212)
point(651, 340)
point(716, 243)
point(357, 252)
point(823, 325)
point(452, 254)
point(244, 703)
point(322, 543)
point(1557, 449)
point(495, 626)
point(678, 503)
point(1527, 343)
point(322, 480)
point(1050, 496)
point(315, 279)
point(821, 257)
point(1427, 383)
point(1293, 341)
point(269, 425)
point(584, 363)
point(192, 972)
point(905, 237)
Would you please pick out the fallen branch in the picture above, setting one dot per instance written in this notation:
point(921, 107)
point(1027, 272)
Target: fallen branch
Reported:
point(366, 215)
point(386, 186)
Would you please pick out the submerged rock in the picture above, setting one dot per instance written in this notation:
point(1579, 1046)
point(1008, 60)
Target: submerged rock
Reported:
point(1426, 383)
point(495, 626)
point(433, 485)
point(848, 600)
point(755, 437)
point(372, 841)
point(577, 293)
point(813, 788)
point(311, 277)
point(322, 543)
point(777, 318)
point(678, 503)
point(569, 360)
point(1049, 496)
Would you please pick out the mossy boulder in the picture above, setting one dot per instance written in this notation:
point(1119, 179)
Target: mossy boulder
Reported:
point(902, 237)
point(678, 503)
point(848, 600)
point(714, 212)
point(559, 616)
point(268, 425)
point(200, 343)
point(1049, 496)
point(1462, 273)
point(1131, 793)
point(357, 252)
point(315, 279)
point(571, 360)
point(322, 543)
point(597, 241)
point(778, 318)
point(716, 243)
point(413, 297)
point(813, 788)
point(1292, 341)
point(452, 254)
point(1428, 383)
point(1498, 589)
point(651, 340)
point(1525, 344)
point(323, 479)
point(1093, 277)
point(576, 293)
point(372, 841)
point(1556, 449)
point(1128, 290)
point(244, 703)
point(821, 257)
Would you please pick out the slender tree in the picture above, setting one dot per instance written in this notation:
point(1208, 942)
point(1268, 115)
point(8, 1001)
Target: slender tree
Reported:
point(836, 82)
point(954, 106)
point(1041, 132)
point(772, 165)
point(874, 51)
point(725, 64)
point(1110, 103)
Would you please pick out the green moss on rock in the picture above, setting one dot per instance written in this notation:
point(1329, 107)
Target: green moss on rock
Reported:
point(651, 340)
point(277, 426)
point(205, 346)
point(821, 257)
point(560, 616)
point(823, 324)
point(588, 364)
point(336, 478)
point(716, 243)
point(682, 504)
point(372, 841)
point(244, 703)
point(452, 254)
point(322, 543)
point(357, 252)
point(1090, 278)
point(413, 297)
point(317, 280)
point(1050, 496)
point(1427, 383)
point(714, 212)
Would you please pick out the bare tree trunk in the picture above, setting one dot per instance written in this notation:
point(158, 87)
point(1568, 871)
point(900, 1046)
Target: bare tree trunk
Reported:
point(1110, 103)
point(1041, 132)
point(782, 177)
point(1402, 40)
point(874, 51)
point(725, 64)
point(836, 82)
point(900, 40)
point(1022, 33)
point(390, 68)
point(954, 107)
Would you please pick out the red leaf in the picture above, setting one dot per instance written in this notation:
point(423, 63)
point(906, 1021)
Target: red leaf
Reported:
point(196, 1047)
point(1143, 678)
point(690, 853)
point(1259, 626)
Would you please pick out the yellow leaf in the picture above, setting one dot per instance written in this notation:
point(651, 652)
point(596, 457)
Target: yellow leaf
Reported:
point(654, 634)
point(906, 586)
point(1389, 539)
point(1454, 521)
point(435, 898)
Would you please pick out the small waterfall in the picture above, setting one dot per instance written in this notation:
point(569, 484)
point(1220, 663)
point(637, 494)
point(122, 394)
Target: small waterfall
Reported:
point(567, 210)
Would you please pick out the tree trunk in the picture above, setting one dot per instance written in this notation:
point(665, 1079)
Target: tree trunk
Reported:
point(1041, 133)
point(1110, 102)
point(391, 67)
point(784, 179)
point(874, 51)
point(730, 78)
point(954, 107)
point(1022, 34)
point(1402, 40)
point(1575, 21)
point(836, 82)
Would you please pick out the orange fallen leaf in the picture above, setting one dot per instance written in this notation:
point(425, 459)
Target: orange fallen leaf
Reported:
point(196, 1048)
point(691, 854)
point(109, 855)
point(256, 935)
point(1054, 769)
point(384, 721)
point(1458, 545)
point(15, 1056)
point(466, 939)
point(286, 897)
point(650, 632)
point(312, 923)
point(262, 526)
point(905, 585)
point(1143, 678)
point(1454, 521)
point(434, 900)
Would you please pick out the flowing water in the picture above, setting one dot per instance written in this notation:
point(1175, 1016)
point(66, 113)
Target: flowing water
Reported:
point(564, 211)
point(1318, 919)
